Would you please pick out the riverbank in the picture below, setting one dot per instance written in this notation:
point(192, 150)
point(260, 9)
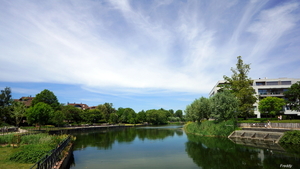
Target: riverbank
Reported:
point(210, 128)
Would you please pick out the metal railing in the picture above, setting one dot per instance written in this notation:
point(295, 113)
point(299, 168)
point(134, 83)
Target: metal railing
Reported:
point(52, 157)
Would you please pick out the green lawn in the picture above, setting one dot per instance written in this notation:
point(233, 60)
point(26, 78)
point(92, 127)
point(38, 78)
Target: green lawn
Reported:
point(5, 152)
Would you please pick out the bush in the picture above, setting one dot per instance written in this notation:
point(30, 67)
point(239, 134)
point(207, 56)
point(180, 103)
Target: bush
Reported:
point(211, 128)
point(291, 137)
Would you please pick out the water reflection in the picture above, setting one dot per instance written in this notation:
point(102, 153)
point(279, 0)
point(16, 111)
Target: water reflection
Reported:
point(105, 139)
point(170, 147)
point(209, 152)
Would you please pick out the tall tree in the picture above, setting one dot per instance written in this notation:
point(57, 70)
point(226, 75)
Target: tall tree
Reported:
point(271, 105)
point(178, 113)
point(71, 113)
point(293, 96)
point(199, 109)
point(58, 118)
point(141, 116)
point(172, 112)
point(18, 112)
point(241, 86)
point(48, 97)
point(224, 106)
point(5, 103)
point(40, 114)
point(192, 111)
point(106, 109)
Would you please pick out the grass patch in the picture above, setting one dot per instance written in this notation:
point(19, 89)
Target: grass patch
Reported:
point(31, 147)
point(210, 128)
point(7, 164)
point(7, 138)
point(291, 137)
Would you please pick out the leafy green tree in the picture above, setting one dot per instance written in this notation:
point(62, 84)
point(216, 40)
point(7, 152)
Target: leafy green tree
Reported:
point(224, 106)
point(174, 119)
point(5, 103)
point(18, 112)
point(58, 118)
point(241, 86)
point(106, 109)
point(271, 105)
point(293, 96)
point(113, 118)
point(178, 113)
point(141, 116)
point(172, 112)
point(39, 114)
point(48, 97)
point(191, 111)
point(199, 109)
point(120, 113)
point(204, 106)
point(94, 115)
point(157, 116)
point(72, 114)
point(128, 113)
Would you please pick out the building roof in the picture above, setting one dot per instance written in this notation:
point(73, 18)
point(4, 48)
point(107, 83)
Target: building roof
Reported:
point(80, 105)
point(26, 100)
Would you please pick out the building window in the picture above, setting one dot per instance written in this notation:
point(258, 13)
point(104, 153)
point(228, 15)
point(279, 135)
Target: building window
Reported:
point(254, 108)
point(275, 91)
point(272, 83)
point(262, 92)
point(286, 83)
point(260, 83)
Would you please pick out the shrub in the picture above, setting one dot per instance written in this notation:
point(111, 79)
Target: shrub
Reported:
point(291, 137)
point(211, 128)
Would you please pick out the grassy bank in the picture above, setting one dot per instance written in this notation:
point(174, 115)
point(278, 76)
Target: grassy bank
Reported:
point(22, 151)
point(210, 128)
point(6, 152)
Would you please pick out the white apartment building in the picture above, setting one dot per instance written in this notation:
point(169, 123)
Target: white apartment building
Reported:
point(267, 87)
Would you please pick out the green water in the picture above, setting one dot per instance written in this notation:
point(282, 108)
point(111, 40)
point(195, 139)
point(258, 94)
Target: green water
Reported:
point(169, 147)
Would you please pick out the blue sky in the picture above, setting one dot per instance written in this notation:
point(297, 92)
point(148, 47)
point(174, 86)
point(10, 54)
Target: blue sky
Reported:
point(142, 54)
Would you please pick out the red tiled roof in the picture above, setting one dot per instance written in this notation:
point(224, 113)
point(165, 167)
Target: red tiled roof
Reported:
point(26, 100)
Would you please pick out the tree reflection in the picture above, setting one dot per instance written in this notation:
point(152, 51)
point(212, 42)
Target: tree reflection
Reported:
point(106, 138)
point(209, 152)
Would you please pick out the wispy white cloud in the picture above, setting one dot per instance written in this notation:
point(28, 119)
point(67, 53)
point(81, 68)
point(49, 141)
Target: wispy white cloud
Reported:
point(139, 47)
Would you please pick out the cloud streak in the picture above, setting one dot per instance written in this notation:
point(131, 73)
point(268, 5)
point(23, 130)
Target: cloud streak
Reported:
point(143, 47)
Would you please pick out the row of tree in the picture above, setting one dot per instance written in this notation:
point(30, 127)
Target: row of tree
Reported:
point(45, 109)
point(237, 96)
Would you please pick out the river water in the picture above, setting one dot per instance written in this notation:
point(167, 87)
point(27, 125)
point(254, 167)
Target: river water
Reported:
point(164, 147)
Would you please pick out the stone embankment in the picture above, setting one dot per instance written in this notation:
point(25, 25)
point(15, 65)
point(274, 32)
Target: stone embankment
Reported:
point(261, 135)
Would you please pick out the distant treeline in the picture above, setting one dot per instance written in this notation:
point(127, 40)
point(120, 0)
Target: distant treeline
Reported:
point(45, 109)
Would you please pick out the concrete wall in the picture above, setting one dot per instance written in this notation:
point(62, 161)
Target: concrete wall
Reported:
point(274, 125)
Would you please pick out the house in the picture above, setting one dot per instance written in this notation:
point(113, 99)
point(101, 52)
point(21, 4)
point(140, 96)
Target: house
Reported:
point(267, 87)
point(26, 100)
point(80, 106)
